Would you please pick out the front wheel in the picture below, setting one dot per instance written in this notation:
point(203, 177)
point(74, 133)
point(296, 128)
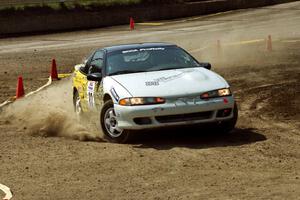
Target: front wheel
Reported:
point(109, 124)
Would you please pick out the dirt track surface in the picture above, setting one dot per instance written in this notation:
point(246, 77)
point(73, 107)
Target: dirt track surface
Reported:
point(260, 159)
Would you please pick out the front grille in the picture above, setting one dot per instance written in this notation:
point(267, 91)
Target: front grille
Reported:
point(184, 117)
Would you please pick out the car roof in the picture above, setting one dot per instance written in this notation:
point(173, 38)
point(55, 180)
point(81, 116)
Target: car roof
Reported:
point(136, 46)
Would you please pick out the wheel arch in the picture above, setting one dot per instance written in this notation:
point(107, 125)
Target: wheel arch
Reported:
point(106, 97)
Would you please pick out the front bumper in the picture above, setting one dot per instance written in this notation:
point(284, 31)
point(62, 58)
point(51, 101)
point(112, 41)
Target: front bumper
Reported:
point(174, 112)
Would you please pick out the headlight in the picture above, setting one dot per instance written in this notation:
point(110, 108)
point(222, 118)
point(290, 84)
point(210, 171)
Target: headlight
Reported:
point(216, 93)
point(136, 101)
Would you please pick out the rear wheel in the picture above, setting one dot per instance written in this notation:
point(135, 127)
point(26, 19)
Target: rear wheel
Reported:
point(109, 124)
point(228, 125)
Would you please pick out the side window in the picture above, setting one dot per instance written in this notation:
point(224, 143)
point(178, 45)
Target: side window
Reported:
point(96, 63)
point(85, 68)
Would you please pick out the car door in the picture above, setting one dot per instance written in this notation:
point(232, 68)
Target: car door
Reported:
point(80, 82)
point(94, 89)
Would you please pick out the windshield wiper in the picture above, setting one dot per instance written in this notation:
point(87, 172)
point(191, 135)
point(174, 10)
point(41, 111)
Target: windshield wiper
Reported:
point(168, 68)
point(175, 68)
point(125, 72)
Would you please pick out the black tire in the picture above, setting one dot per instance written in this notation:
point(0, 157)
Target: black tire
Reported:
point(228, 125)
point(110, 130)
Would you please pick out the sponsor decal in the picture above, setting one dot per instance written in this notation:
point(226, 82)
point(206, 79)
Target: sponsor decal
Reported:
point(130, 51)
point(182, 101)
point(153, 49)
point(173, 77)
point(152, 83)
point(90, 93)
point(187, 101)
point(114, 94)
point(144, 49)
point(157, 109)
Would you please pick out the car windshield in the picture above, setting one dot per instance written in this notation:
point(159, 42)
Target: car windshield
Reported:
point(148, 59)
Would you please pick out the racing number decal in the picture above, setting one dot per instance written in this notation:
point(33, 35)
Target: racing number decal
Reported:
point(90, 93)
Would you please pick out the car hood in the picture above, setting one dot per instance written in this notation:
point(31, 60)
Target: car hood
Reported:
point(166, 83)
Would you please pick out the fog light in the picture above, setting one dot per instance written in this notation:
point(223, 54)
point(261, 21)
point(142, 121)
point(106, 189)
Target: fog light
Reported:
point(224, 112)
point(142, 120)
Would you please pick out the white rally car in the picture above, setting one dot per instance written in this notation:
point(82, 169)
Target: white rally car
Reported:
point(142, 86)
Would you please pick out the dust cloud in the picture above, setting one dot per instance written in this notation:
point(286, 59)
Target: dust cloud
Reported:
point(49, 113)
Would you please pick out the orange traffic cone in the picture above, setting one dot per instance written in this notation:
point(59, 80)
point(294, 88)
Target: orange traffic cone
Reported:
point(269, 43)
point(20, 88)
point(131, 23)
point(54, 75)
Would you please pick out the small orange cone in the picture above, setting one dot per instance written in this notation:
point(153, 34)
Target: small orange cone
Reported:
point(269, 43)
point(20, 88)
point(54, 75)
point(131, 23)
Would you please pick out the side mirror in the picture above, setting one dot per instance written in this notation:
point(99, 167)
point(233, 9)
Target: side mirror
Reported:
point(94, 77)
point(206, 65)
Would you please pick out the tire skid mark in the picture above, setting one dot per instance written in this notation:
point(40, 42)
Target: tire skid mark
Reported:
point(259, 102)
point(244, 42)
point(263, 86)
point(7, 191)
